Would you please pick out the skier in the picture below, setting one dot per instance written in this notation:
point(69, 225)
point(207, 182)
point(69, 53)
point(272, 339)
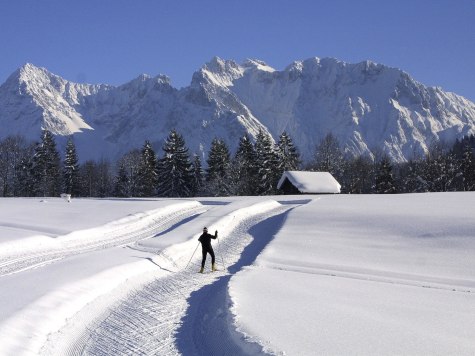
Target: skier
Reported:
point(206, 247)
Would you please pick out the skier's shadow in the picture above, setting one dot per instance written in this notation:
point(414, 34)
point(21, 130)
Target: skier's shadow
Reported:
point(205, 327)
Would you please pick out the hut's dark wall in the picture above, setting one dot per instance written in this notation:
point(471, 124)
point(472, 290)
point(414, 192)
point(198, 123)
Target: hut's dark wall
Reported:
point(289, 188)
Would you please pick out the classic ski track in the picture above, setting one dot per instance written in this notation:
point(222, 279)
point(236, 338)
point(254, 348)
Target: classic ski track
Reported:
point(147, 321)
point(113, 238)
point(378, 277)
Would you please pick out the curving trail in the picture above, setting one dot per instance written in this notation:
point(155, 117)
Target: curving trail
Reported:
point(184, 312)
point(116, 234)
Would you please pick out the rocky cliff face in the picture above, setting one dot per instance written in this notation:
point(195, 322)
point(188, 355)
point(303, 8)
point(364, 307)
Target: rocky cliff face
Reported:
point(367, 106)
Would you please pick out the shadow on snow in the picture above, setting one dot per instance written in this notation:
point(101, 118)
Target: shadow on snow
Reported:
point(205, 327)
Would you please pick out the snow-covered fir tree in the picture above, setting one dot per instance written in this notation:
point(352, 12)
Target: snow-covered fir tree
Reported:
point(412, 178)
point(71, 178)
point(266, 160)
point(148, 176)
point(175, 175)
point(384, 181)
point(244, 168)
point(441, 169)
point(288, 156)
point(46, 167)
point(198, 175)
point(217, 173)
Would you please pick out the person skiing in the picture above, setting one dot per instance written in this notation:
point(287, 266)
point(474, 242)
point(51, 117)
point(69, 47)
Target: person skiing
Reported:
point(206, 248)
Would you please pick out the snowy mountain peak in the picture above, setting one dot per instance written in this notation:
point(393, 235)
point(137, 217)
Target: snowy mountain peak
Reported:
point(147, 81)
point(29, 74)
point(219, 72)
point(367, 106)
point(29, 68)
point(296, 66)
point(257, 64)
point(37, 99)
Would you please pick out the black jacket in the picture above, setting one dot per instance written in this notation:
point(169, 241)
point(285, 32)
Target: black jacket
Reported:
point(205, 239)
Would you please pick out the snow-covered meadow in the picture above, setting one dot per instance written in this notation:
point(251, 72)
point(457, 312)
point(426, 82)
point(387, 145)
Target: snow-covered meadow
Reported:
point(300, 275)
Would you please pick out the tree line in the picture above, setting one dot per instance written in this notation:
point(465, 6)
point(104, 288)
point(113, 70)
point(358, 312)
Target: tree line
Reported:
point(37, 170)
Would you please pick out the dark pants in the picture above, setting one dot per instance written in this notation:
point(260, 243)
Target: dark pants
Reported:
point(204, 251)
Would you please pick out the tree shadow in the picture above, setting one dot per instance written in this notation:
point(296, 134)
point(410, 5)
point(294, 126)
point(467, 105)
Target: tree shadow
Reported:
point(214, 202)
point(294, 202)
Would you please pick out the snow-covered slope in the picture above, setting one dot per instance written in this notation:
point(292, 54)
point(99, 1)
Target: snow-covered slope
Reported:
point(32, 98)
point(366, 106)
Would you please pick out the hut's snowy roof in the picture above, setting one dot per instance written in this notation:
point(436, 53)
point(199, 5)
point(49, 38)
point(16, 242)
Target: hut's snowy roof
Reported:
point(311, 182)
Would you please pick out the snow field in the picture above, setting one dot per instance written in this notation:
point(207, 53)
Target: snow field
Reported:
point(370, 275)
point(365, 275)
point(27, 331)
point(28, 318)
point(35, 251)
point(53, 217)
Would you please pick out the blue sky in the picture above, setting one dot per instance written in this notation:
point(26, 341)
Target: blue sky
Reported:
point(113, 41)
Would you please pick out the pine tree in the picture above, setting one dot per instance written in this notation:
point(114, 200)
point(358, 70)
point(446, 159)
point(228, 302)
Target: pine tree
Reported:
point(288, 157)
point(217, 173)
point(88, 177)
point(198, 176)
point(71, 182)
point(266, 160)
point(24, 185)
point(412, 176)
point(358, 177)
point(122, 182)
point(104, 179)
point(46, 167)
point(244, 168)
point(175, 176)
point(148, 177)
point(127, 181)
point(441, 169)
point(384, 181)
point(13, 150)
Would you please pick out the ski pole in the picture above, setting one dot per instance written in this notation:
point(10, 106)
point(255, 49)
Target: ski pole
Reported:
point(192, 255)
point(221, 253)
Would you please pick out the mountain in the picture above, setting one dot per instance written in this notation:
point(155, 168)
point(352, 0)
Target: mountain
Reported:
point(367, 106)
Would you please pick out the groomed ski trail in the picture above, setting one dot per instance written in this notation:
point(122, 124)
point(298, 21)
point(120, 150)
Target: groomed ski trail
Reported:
point(170, 315)
point(121, 232)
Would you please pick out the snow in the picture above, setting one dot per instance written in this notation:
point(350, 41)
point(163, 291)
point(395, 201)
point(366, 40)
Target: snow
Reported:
point(365, 275)
point(311, 182)
point(332, 274)
point(365, 105)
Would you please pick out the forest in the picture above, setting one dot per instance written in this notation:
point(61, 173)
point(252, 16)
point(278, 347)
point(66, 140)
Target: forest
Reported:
point(37, 169)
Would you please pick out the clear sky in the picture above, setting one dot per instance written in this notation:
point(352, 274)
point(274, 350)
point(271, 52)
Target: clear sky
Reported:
point(113, 41)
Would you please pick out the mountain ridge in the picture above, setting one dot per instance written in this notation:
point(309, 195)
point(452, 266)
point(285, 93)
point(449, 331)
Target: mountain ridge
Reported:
point(367, 106)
